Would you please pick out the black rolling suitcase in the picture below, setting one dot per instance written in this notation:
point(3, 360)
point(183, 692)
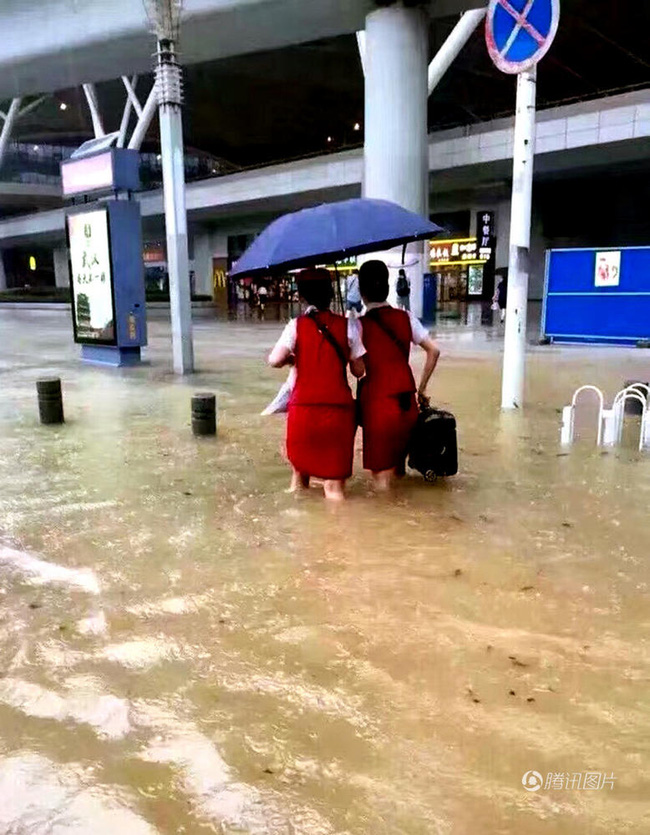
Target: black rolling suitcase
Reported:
point(433, 448)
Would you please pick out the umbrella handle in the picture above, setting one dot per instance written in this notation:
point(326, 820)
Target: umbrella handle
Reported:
point(338, 286)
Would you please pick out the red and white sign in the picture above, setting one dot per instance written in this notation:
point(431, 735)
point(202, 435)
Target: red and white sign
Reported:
point(608, 269)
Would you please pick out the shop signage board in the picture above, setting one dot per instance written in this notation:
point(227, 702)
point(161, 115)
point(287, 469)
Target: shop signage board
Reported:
point(481, 280)
point(486, 228)
point(458, 251)
point(519, 33)
point(154, 253)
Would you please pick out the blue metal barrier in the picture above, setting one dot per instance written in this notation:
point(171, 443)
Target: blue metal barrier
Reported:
point(599, 296)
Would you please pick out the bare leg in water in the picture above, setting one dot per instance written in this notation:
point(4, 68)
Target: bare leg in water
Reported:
point(383, 479)
point(299, 482)
point(334, 490)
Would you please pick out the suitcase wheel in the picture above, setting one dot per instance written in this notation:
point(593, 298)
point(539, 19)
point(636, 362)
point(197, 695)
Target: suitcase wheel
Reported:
point(430, 476)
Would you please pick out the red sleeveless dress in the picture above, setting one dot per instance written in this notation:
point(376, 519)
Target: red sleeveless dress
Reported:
point(321, 422)
point(387, 397)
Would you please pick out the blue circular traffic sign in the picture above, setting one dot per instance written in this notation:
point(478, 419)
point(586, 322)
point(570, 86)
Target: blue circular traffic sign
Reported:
point(520, 32)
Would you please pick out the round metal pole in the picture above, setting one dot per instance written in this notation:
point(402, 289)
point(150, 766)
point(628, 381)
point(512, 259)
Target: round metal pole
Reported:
point(169, 81)
point(514, 349)
point(455, 42)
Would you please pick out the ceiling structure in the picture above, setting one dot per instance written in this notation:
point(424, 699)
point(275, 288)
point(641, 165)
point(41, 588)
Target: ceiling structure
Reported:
point(307, 98)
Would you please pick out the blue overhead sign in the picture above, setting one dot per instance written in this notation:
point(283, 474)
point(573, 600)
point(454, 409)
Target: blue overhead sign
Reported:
point(520, 32)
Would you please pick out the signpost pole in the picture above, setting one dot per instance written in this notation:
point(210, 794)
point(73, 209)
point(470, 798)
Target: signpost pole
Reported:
point(518, 36)
point(514, 351)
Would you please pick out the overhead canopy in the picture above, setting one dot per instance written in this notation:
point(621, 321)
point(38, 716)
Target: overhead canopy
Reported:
point(52, 44)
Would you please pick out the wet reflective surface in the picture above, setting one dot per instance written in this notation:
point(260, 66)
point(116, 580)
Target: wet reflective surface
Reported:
point(184, 648)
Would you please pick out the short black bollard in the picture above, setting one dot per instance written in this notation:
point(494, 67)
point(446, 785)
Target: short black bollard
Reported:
point(632, 405)
point(204, 413)
point(50, 400)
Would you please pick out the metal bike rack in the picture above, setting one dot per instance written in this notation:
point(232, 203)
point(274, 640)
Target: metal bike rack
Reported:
point(569, 414)
point(610, 421)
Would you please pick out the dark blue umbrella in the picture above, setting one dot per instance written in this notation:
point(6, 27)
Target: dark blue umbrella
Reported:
point(330, 232)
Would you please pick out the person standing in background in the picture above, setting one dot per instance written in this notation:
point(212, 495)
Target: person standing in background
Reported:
point(403, 290)
point(501, 295)
point(352, 293)
point(262, 296)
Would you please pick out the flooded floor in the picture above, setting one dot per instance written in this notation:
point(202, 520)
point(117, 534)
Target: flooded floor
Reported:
point(184, 648)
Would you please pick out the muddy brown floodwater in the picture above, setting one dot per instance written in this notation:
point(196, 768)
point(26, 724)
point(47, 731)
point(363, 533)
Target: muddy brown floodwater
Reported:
point(184, 648)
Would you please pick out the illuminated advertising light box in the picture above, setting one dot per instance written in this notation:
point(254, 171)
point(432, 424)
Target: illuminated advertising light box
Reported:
point(93, 302)
point(110, 170)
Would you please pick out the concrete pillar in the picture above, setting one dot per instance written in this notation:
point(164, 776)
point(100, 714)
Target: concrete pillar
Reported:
point(202, 264)
point(3, 275)
point(396, 139)
point(61, 269)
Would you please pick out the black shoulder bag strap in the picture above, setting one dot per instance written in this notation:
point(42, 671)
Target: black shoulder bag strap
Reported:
point(325, 332)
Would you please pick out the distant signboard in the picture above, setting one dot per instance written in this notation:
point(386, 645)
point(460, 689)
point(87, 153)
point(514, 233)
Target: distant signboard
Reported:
point(154, 253)
point(461, 251)
point(519, 33)
point(475, 281)
point(93, 308)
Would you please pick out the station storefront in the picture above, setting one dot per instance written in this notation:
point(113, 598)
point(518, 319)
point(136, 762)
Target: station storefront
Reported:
point(463, 267)
point(463, 270)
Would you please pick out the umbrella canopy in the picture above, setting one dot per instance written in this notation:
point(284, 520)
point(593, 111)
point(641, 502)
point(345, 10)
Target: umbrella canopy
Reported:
point(330, 232)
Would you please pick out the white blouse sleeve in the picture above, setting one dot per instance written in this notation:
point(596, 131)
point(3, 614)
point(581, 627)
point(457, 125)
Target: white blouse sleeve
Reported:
point(355, 339)
point(418, 332)
point(288, 337)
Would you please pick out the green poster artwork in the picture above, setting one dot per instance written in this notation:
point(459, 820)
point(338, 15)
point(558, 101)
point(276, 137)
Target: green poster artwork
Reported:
point(90, 262)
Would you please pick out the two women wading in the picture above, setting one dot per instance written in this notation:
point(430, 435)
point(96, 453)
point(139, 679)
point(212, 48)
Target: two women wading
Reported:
point(322, 417)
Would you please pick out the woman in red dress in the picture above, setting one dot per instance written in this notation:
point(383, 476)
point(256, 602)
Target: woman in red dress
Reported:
point(321, 423)
point(387, 397)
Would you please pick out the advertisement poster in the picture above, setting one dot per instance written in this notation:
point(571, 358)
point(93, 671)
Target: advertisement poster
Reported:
point(608, 269)
point(90, 264)
point(475, 281)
